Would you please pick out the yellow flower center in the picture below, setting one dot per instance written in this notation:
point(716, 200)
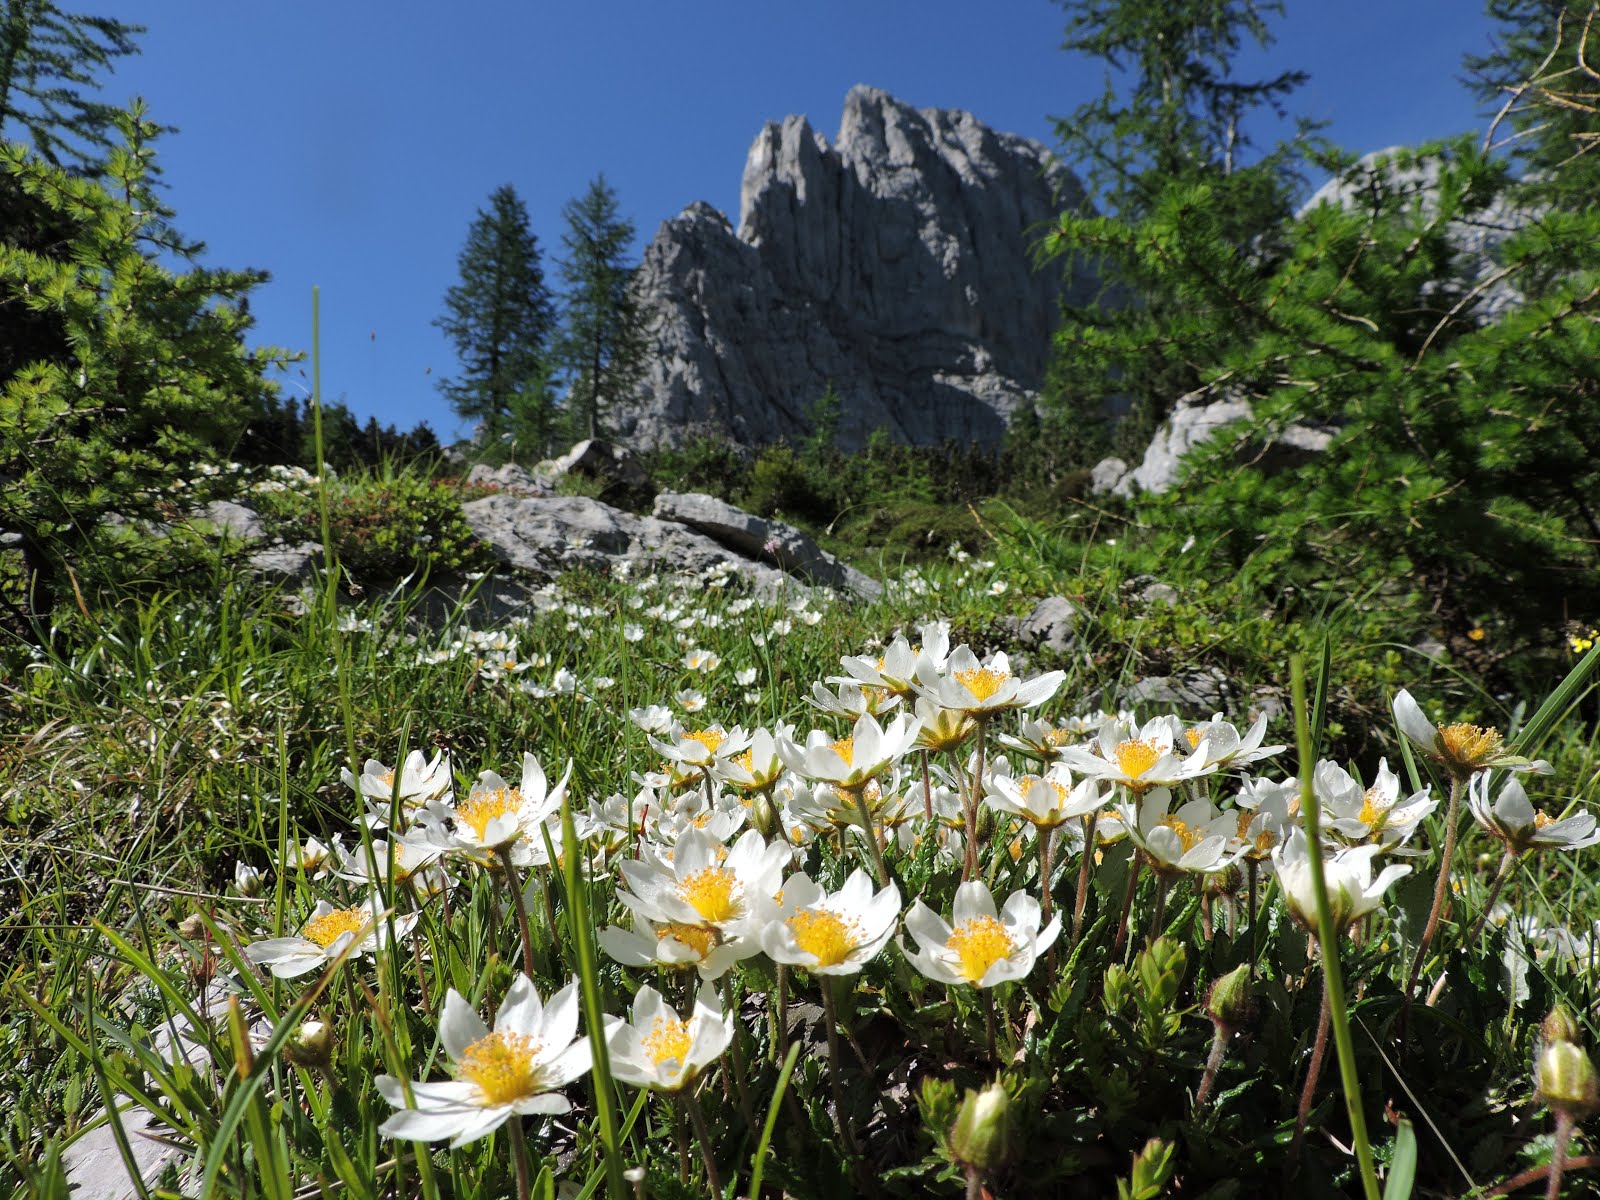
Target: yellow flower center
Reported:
point(1540, 820)
point(1057, 737)
point(480, 808)
point(386, 778)
point(668, 1041)
point(697, 939)
point(1193, 736)
point(1468, 745)
point(330, 927)
point(709, 738)
point(501, 1064)
point(746, 762)
point(824, 935)
point(709, 891)
point(1136, 757)
point(1188, 835)
point(1373, 810)
point(982, 682)
point(845, 748)
point(979, 942)
point(1051, 802)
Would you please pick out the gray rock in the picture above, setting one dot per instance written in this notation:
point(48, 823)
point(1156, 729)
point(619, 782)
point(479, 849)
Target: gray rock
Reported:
point(544, 536)
point(1195, 420)
point(768, 541)
point(233, 519)
point(1158, 593)
point(1107, 476)
point(1052, 625)
point(508, 478)
point(894, 265)
point(287, 564)
point(1199, 693)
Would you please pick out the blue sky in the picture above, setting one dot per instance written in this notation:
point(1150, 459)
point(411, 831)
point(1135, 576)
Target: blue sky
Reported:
point(349, 144)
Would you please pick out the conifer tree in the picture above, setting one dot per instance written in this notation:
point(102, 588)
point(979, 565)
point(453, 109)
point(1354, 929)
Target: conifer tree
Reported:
point(601, 349)
point(46, 57)
point(1173, 113)
point(499, 318)
point(154, 378)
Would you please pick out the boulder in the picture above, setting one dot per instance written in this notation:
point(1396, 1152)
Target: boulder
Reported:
point(234, 520)
point(544, 536)
point(287, 564)
point(1196, 693)
point(894, 265)
point(1051, 626)
point(773, 542)
point(508, 477)
point(592, 458)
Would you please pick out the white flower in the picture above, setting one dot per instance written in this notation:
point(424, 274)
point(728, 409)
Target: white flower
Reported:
point(690, 700)
point(512, 1070)
point(1195, 838)
point(982, 689)
point(984, 947)
point(831, 935)
point(632, 632)
point(247, 880)
point(675, 945)
point(1375, 814)
point(421, 780)
point(1217, 743)
point(1045, 801)
point(744, 676)
point(703, 661)
point(1352, 891)
point(652, 719)
point(1513, 819)
point(1461, 748)
point(1138, 759)
point(706, 884)
point(412, 865)
point(325, 936)
point(849, 762)
point(758, 767)
point(658, 1051)
point(495, 816)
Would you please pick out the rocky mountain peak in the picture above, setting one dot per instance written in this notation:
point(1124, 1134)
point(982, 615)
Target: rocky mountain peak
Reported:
point(894, 264)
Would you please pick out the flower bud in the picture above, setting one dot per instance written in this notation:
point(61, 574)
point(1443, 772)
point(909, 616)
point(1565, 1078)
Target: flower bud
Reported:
point(310, 1045)
point(1231, 1004)
point(247, 880)
point(982, 1129)
point(1567, 1080)
point(1560, 1027)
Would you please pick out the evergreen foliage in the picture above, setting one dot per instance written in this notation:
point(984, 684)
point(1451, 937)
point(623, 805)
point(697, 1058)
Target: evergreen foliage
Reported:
point(602, 342)
point(155, 377)
point(280, 432)
point(1173, 112)
point(46, 57)
point(499, 317)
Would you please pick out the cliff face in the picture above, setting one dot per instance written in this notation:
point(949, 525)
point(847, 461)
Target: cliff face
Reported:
point(895, 264)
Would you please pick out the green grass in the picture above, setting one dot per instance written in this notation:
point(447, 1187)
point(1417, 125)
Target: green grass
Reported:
point(157, 742)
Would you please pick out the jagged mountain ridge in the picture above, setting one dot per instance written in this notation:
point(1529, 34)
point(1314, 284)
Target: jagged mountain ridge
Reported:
point(894, 264)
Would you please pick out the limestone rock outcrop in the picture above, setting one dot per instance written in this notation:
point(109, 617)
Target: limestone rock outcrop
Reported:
point(895, 265)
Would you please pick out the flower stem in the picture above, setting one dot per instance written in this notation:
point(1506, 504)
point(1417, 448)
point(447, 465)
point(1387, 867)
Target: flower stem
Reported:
point(1046, 834)
point(702, 1135)
point(870, 829)
point(515, 883)
point(1084, 868)
point(519, 1157)
point(1220, 1037)
point(1127, 900)
point(1319, 1050)
point(988, 1024)
point(835, 1063)
point(975, 785)
point(1500, 876)
point(1558, 1153)
point(927, 789)
point(1328, 938)
point(1441, 889)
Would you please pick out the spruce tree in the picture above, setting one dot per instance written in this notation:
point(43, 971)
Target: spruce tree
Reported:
point(46, 57)
point(601, 349)
point(499, 318)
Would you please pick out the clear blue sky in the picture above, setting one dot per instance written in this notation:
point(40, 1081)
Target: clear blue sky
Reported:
point(348, 144)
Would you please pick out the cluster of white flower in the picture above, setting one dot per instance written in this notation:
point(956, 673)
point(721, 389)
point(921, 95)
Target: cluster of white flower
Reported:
point(716, 855)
